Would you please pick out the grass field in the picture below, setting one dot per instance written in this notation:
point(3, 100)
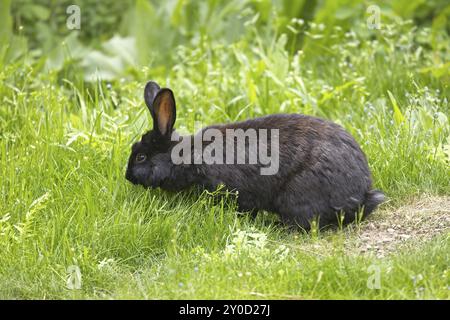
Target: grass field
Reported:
point(65, 136)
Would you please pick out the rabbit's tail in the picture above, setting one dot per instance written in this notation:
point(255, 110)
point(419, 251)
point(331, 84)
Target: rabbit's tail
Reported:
point(373, 199)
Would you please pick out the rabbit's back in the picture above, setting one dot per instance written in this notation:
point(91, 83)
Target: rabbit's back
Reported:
point(322, 170)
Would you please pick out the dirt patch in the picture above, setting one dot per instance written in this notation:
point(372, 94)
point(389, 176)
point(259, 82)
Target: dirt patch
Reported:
point(418, 221)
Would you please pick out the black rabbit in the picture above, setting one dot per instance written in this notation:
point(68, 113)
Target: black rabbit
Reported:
point(322, 173)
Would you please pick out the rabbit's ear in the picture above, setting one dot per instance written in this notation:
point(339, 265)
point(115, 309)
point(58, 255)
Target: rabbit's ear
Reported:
point(165, 113)
point(150, 92)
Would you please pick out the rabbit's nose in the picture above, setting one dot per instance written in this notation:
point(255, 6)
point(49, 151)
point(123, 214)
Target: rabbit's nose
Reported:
point(130, 177)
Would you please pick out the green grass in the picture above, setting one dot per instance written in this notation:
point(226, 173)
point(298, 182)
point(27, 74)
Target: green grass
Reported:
point(64, 144)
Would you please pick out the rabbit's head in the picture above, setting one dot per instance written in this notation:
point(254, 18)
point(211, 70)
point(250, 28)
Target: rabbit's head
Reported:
point(149, 163)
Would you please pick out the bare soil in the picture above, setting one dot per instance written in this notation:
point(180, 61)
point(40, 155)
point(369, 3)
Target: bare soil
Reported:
point(416, 222)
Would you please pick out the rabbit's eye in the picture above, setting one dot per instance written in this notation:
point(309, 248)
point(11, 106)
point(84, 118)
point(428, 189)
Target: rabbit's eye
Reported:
point(140, 157)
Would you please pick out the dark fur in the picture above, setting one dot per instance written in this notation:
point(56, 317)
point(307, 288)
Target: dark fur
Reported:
point(322, 170)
